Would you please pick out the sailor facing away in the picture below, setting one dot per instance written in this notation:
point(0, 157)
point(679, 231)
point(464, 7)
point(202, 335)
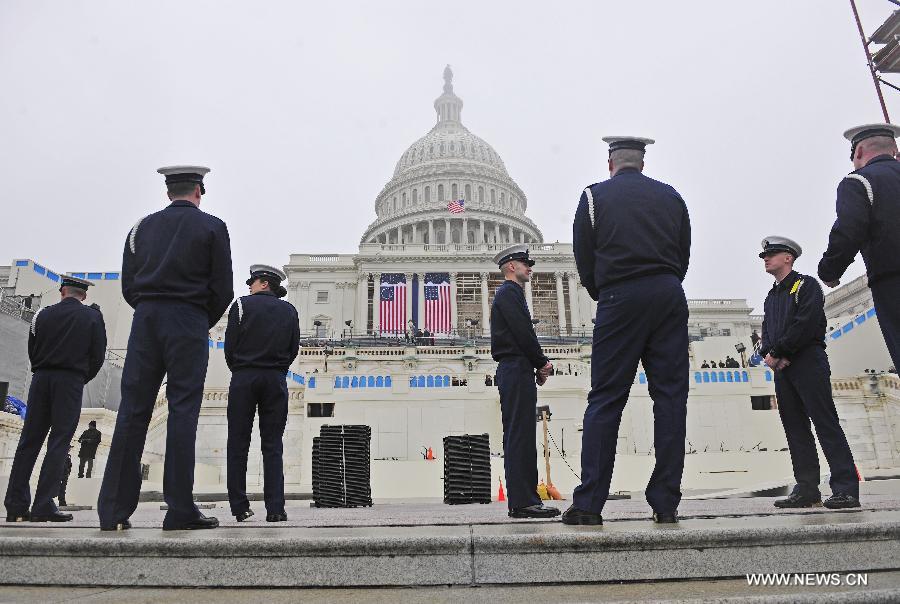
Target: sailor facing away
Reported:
point(176, 274)
point(632, 243)
point(66, 347)
point(521, 364)
point(868, 221)
point(793, 344)
point(261, 342)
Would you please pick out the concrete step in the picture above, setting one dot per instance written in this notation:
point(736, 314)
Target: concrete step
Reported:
point(263, 555)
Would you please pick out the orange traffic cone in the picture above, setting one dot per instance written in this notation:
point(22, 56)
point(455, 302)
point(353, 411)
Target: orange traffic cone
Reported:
point(501, 494)
point(429, 454)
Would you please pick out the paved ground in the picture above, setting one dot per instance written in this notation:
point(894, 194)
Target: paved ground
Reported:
point(882, 587)
point(435, 513)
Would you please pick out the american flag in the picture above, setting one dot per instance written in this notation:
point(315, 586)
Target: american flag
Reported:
point(437, 302)
point(392, 311)
point(457, 206)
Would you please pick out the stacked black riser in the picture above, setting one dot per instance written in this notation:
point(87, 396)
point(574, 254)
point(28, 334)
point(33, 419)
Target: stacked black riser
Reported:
point(341, 470)
point(467, 469)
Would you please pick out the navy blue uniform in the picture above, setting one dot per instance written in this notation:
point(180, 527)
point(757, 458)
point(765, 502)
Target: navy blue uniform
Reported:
point(518, 353)
point(870, 227)
point(794, 329)
point(176, 274)
point(632, 258)
point(66, 347)
point(261, 341)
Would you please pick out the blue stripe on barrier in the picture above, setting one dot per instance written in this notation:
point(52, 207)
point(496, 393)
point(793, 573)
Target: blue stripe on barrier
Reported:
point(95, 275)
point(21, 263)
point(871, 313)
point(79, 275)
point(111, 276)
point(847, 327)
point(52, 276)
point(40, 270)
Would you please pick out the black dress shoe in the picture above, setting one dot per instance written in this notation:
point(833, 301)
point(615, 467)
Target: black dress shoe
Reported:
point(665, 518)
point(243, 515)
point(54, 517)
point(841, 501)
point(282, 517)
point(18, 516)
point(575, 516)
point(796, 500)
point(534, 511)
point(203, 522)
point(123, 525)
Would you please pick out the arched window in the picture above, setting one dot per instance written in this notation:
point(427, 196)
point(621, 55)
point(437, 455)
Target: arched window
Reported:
point(427, 194)
point(455, 191)
point(415, 197)
point(468, 196)
point(440, 193)
point(404, 200)
point(395, 203)
point(452, 146)
point(442, 148)
point(480, 194)
point(502, 200)
point(455, 235)
point(493, 197)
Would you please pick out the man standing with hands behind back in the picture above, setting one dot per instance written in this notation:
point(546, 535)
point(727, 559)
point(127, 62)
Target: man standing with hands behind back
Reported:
point(520, 364)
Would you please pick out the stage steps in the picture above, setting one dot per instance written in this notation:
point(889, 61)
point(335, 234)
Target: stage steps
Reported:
point(262, 555)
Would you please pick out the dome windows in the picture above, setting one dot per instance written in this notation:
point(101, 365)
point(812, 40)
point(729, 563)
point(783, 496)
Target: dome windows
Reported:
point(468, 195)
point(427, 194)
point(415, 197)
point(440, 193)
point(480, 194)
point(454, 188)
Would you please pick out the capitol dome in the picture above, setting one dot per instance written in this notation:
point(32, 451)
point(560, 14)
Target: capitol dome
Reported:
point(450, 164)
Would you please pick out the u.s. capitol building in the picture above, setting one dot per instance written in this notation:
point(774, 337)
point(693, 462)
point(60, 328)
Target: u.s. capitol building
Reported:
point(425, 263)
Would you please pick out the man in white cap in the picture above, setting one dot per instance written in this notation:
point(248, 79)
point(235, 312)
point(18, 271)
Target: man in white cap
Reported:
point(176, 274)
point(868, 221)
point(261, 341)
point(521, 364)
point(66, 347)
point(793, 344)
point(632, 243)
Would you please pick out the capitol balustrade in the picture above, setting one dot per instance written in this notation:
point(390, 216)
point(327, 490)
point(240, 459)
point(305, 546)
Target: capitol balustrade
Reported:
point(400, 249)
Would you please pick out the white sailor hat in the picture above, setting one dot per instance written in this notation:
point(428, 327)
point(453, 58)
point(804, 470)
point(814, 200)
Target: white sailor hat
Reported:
point(71, 281)
point(271, 274)
point(627, 142)
point(514, 252)
point(861, 133)
point(774, 244)
point(193, 174)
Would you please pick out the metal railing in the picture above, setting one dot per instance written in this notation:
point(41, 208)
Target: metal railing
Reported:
point(21, 307)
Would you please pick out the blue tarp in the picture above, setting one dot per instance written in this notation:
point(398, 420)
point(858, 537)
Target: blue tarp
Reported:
point(19, 406)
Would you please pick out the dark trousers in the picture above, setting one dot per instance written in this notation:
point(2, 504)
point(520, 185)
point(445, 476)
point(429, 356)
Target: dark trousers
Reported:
point(645, 320)
point(804, 393)
point(252, 390)
point(54, 405)
point(886, 295)
point(518, 403)
point(82, 462)
point(167, 339)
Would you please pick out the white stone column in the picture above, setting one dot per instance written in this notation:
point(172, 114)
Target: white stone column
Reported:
point(511, 238)
point(446, 230)
point(399, 235)
point(409, 293)
point(421, 301)
point(465, 231)
point(496, 232)
point(305, 323)
point(431, 232)
point(362, 301)
point(454, 320)
point(376, 304)
point(560, 302)
point(415, 233)
point(481, 238)
point(485, 311)
point(528, 298)
point(573, 303)
point(521, 236)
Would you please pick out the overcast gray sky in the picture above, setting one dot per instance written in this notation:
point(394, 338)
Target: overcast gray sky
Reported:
point(301, 109)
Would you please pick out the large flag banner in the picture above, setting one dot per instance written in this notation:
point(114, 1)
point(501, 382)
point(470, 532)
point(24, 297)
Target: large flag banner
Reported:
point(392, 309)
point(437, 302)
point(457, 206)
